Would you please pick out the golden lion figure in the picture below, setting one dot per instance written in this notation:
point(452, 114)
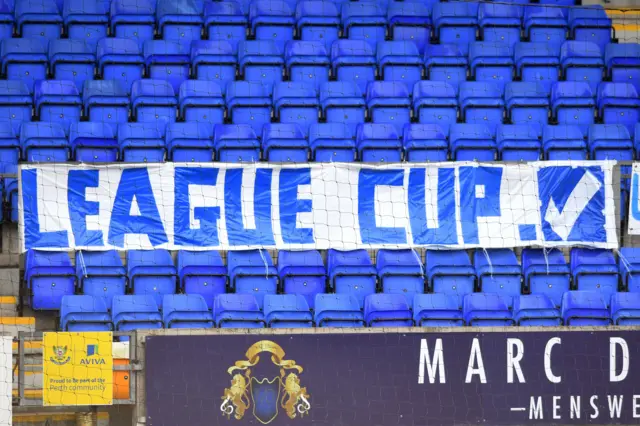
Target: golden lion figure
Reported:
point(293, 393)
point(237, 395)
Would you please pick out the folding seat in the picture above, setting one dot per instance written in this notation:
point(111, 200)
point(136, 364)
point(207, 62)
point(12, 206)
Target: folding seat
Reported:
point(318, 21)
point(450, 272)
point(389, 103)
point(105, 101)
point(225, 21)
point(167, 60)
point(498, 272)
point(201, 102)
point(260, 61)
point(364, 21)
point(585, 308)
point(44, 142)
point(625, 309)
point(15, 104)
point(486, 310)
point(272, 20)
point(100, 274)
point(337, 310)
point(120, 59)
point(142, 142)
point(24, 60)
point(590, 24)
point(378, 143)
point(446, 63)
point(437, 310)
point(387, 310)
point(342, 102)
point(302, 273)
point(252, 272)
point(500, 23)
point(133, 19)
point(536, 310)
point(57, 101)
point(84, 313)
point(332, 142)
point(545, 24)
point(297, 103)
point(481, 103)
point(151, 272)
point(353, 61)
point(594, 270)
point(307, 62)
point(38, 19)
point(582, 61)
point(6, 19)
point(235, 143)
point(49, 276)
point(456, 22)
point(472, 142)
point(214, 61)
point(537, 63)
point(572, 103)
point(629, 268)
point(519, 142)
point(248, 102)
point(190, 142)
point(153, 101)
point(425, 142)
point(237, 311)
point(622, 62)
point(434, 102)
point(527, 103)
point(93, 142)
point(186, 311)
point(491, 62)
point(618, 103)
point(410, 21)
point(71, 60)
point(284, 143)
point(352, 272)
point(135, 312)
point(563, 142)
point(202, 273)
point(180, 21)
point(400, 272)
point(86, 20)
point(399, 61)
point(610, 142)
point(287, 311)
point(9, 151)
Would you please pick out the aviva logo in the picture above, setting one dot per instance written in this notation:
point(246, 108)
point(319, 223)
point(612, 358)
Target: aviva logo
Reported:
point(92, 351)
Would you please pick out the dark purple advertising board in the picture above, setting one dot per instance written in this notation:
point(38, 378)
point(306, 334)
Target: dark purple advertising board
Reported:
point(369, 379)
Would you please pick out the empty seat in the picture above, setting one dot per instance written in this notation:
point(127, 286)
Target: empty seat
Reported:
point(351, 272)
point(297, 103)
point(236, 143)
point(582, 61)
point(446, 63)
point(135, 312)
point(38, 19)
point(179, 21)
point(272, 20)
point(610, 142)
point(378, 143)
point(252, 272)
point(527, 103)
point(133, 20)
point(536, 310)
point(342, 102)
point(387, 310)
point(248, 103)
point(86, 20)
point(24, 59)
point(71, 60)
point(142, 142)
point(580, 308)
point(307, 62)
point(151, 272)
point(93, 142)
point(399, 61)
point(389, 103)
point(629, 268)
point(44, 142)
point(214, 61)
point(191, 142)
point(437, 310)
point(101, 274)
point(9, 150)
point(201, 102)
point(353, 61)
point(224, 20)
point(167, 60)
point(6, 19)
point(545, 24)
point(491, 62)
point(48, 276)
point(331, 142)
point(590, 24)
point(486, 310)
point(364, 21)
point(472, 142)
point(625, 309)
point(481, 103)
point(594, 270)
point(106, 101)
point(573, 103)
point(537, 63)
point(456, 22)
point(57, 101)
point(121, 60)
point(563, 142)
point(202, 273)
point(618, 103)
point(546, 272)
point(434, 102)
point(425, 142)
point(500, 23)
point(15, 104)
point(518, 142)
point(622, 62)
point(153, 101)
point(260, 61)
point(337, 310)
point(410, 21)
point(237, 311)
point(318, 21)
point(498, 272)
point(302, 273)
point(287, 311)
point(450, 272)
point(284, 143)
point(400, 272)
point(186, 311)
point(84, 313)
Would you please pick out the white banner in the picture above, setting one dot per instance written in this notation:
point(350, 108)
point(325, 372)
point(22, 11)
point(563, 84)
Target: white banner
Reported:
point(634, 202)
point(6, 380)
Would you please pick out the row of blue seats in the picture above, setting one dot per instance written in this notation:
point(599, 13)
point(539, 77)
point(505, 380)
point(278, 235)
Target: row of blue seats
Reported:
point(49, 276)
point(579, 308)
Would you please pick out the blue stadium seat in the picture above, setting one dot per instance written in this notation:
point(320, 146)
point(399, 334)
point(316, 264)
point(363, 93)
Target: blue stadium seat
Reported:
point(573, 103)
point(546, 273)
point(186, 311)
point(590, 24)
point(202, 273)
point(450, 272)
point(6, 19)
point(342, 102)
point(472, 142)
point(153, 101)
point(618, 103)
point(594, 270)
point(400, 61)
point(272, 20)
point(297, 103)
point(201, 102)
point(38, 19)
point(456, 22)
point(121, 60)
point(307, 62)
point(302, 273)
point(142, 142)
point(135, 312)
point(527, 103)
point(179, 21)
point(287, 311)
point(389, 103)
point(580, 308)
point(400, 272)
point(318, 21)
point(236, 143)
point(167, 60)
point(500, 23)
point(378, 143)
point(93, 142)
point(151, 272)
point(536, 310)
point(437, 310)
point(331, 142)
point(260, 61)
point(610, 142)
point(86, 20)
point(537, 63)
point(434, 102)
point(625, 309)
point(57, 101)
point(410, 21)
point(425, 142)
point(101, 274)
point(72, 60)
point(563, 142)
point(284, 143)
point(214, 61)
point(629, 268)
point(351, 272)
point(491, 62)
point(519, 142)
point(249, 103)
point(364, 21)
point(84, 313)
point(225, 20)
point(498, 272)
point(9, 150)
point(481, 103)
point(252, 272)
point(24, 59)
point(44, 142)
point(545, 24)
point(190, 142)
point(133, 20)
point(49, 276)
point(486, 309)
point(353, 61)
point(582, 61)
point(387, 310)
point(445, 63)
point(338, 310)
point(622, 62)
point(15, 104)
point(237, 311)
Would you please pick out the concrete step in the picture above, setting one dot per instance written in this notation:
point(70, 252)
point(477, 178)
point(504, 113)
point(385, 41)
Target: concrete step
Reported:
point(8, 306)
point(14, 325)
point(54, 419)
